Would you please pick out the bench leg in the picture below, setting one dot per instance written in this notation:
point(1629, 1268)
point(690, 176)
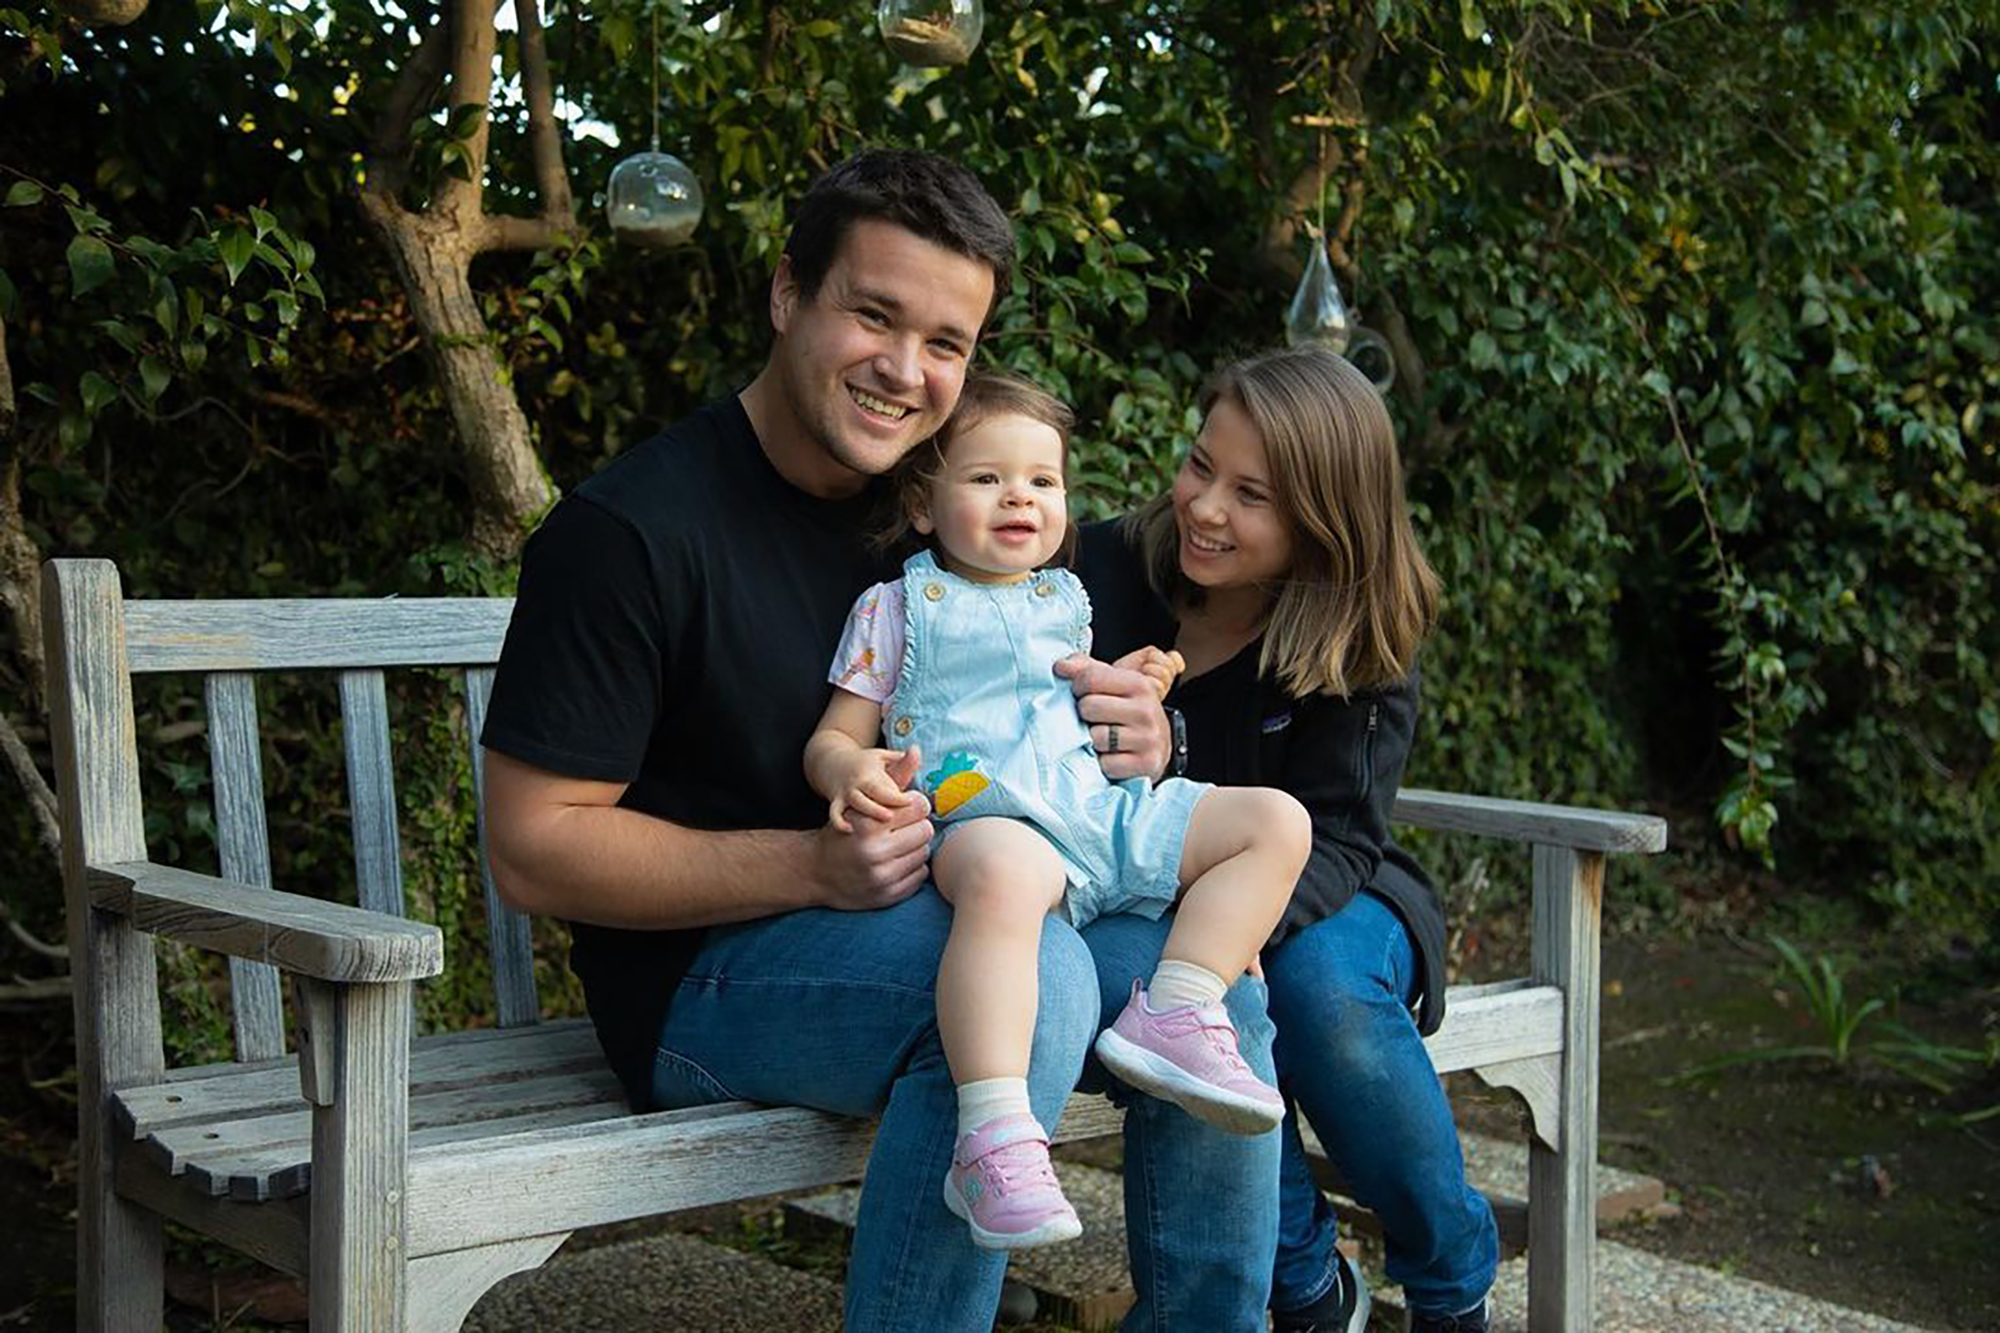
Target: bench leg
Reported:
point(120, 1253)
point(1562, 1182)
point(358, 1279)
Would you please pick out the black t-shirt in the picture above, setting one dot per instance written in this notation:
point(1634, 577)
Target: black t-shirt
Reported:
point(673, 627)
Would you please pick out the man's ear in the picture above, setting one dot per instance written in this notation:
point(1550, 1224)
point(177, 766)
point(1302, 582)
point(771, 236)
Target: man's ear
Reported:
point(784, 295)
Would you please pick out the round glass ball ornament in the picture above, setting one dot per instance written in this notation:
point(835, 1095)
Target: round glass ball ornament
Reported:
point(931, 32)
point(653, 199)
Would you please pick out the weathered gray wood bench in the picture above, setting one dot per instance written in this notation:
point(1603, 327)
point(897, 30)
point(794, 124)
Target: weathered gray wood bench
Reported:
point(402, 1178)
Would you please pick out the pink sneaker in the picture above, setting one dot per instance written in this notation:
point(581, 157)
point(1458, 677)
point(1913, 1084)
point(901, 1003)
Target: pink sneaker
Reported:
point(1003, 1187)
point(1188, 1056)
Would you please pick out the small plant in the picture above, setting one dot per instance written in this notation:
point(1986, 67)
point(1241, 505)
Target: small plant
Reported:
point(1853, 1032)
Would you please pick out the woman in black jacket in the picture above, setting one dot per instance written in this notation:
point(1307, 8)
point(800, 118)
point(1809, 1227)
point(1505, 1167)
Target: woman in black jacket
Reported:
point(1283, 568)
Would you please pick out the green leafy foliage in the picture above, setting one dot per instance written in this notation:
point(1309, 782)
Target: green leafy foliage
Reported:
point(1703, 442)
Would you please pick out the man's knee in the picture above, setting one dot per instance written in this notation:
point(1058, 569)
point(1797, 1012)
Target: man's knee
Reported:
point(1067, 978)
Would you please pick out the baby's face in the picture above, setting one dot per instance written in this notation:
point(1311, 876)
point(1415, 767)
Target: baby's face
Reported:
point(999, 508)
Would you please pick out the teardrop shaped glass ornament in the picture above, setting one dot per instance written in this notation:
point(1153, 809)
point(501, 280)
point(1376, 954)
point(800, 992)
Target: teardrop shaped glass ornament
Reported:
point(1318, 314)
point(653, 199)
point(931, 32)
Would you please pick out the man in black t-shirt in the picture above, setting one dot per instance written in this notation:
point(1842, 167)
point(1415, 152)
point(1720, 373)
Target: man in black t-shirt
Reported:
point(665, 666)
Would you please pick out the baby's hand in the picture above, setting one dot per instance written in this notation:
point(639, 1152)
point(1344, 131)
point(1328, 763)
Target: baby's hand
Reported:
point(876, 786)
point(1161, 667)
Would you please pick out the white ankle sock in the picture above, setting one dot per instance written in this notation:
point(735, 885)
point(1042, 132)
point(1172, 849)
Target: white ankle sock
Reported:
point(986, 1099)
point(1176, 985)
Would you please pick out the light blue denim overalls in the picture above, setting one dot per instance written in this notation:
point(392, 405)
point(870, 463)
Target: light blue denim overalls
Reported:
point(1000, 735)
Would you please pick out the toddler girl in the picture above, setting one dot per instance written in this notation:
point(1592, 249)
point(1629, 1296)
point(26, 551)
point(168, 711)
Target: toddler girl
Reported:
point(954, 665)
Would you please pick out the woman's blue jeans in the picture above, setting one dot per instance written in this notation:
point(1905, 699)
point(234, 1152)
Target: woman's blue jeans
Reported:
point(1350, 1058)
point(835, 1010)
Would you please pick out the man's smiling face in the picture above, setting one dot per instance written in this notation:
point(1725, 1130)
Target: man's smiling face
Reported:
point(873, 362)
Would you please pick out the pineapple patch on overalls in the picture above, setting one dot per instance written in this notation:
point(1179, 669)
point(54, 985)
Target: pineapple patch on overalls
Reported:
point(977, 686)
point(954, 782)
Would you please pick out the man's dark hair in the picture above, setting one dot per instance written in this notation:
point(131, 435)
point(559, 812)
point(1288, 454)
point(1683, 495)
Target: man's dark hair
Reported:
point(927, 195)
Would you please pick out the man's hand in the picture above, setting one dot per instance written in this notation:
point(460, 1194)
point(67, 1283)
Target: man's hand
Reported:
point(1121, 705)
point(878, 862)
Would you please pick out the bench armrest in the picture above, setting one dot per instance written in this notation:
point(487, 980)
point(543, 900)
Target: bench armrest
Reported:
point(1526, 821)
point(330, 941)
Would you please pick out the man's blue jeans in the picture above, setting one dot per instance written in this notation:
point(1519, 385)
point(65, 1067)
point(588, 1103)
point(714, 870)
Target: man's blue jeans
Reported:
point(836, 1010)
point(1350, 1058)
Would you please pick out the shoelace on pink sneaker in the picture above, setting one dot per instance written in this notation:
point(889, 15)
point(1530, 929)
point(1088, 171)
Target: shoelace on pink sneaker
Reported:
point(1213, 1023)
point(1010, 1172)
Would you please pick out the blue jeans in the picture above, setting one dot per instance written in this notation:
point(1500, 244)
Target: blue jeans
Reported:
point(836, 1010)
point(1350, 1058)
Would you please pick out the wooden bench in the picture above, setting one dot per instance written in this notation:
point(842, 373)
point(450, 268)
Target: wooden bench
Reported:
point(402, 1178)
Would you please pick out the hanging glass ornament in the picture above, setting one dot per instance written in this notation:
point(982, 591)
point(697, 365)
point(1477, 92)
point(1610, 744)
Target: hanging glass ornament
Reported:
point(931, 32)
point(1319, 314)
point(653, 199)
point(1368, 352)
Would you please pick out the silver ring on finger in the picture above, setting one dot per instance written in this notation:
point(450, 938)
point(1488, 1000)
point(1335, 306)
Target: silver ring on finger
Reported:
point(1111, 739)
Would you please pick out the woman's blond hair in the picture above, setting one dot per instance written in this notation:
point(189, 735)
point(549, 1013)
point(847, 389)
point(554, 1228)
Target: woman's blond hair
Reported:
point(1359, 596)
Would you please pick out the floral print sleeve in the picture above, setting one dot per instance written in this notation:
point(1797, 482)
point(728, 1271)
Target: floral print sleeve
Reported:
point(870, 655)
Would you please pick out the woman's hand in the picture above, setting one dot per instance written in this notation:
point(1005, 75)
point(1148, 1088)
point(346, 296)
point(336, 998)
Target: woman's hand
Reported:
point(1122, 708)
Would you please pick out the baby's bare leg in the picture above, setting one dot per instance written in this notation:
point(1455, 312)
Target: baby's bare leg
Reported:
point(1240, 862)
point(1001, 879)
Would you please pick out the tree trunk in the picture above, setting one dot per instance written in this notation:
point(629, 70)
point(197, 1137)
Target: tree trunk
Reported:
point(433, 256)
point(20, 558)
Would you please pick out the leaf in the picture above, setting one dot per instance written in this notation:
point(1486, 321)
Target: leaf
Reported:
point(263, 221)
point(1470, 21)
point(1482, 351)
point(154, 376)
point(236, 247)
point(97, 392)
point(21, 194)
point(90, 264)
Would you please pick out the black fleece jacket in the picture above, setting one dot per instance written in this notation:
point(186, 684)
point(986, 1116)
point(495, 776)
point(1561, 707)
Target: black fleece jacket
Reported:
point(1342, 758)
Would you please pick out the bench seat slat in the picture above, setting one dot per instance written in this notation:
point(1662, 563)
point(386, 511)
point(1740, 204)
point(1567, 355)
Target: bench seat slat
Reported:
point(249, 1135)
point(459, 1060)
point(270, 1156)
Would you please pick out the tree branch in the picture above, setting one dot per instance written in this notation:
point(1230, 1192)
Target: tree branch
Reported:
point(511, 233)
point(472, 39)
point(41, 800)
point(416, 88)
point(544, 135)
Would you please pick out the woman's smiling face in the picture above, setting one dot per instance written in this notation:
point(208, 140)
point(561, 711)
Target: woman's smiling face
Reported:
point(1232, 534)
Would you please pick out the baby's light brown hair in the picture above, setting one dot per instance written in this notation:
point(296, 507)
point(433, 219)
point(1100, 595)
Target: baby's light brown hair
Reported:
point(987, 394)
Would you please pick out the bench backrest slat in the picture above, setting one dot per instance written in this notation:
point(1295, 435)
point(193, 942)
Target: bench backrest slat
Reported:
point(243, 845)
point(508, 940)
point(278, 634)
point(371, 791)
